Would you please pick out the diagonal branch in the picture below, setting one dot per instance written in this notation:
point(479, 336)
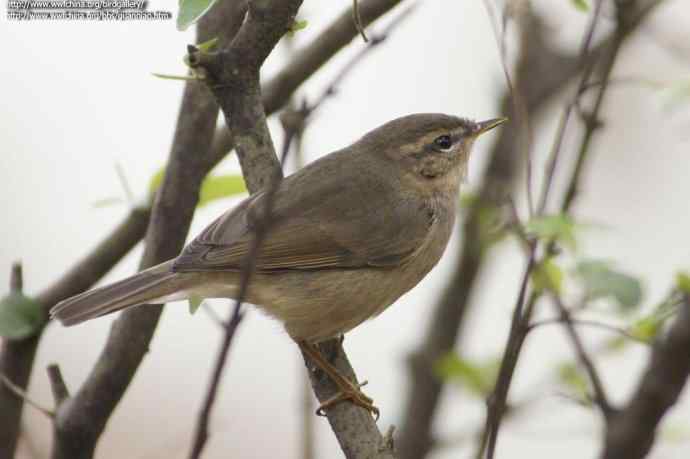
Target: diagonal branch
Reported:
point(628, 18)
point(234, 81)
point(17, 357)
point(82, 418)
point(540, 73)
point(630, 432)
point(600, 397)
point(237, 92)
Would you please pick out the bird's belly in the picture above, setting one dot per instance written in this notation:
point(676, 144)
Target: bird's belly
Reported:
point(316, 306)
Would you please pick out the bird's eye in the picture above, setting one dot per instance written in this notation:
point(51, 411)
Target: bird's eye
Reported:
point(443, 142)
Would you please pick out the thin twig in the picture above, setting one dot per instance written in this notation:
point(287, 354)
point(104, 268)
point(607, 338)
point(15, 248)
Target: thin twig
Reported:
point(212, 314)
point(376, 39)
point(588, 66)
point(358, 20)
point(600, 397)
point(517, 99)
point(125, 184)
point(497, 401)
point(201, 431)
point(515, 340)
point(22, 394)
point(57, 384)
point(630, 433)
point(16, 278)
point(589, 323)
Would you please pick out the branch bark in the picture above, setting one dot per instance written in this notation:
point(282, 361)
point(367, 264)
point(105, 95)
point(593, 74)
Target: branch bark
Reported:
point(81, 419)
point(354, 427)
point(630, 432)
point(17, 357)
point(306, 61)
point(540, 73)
point(238, 94)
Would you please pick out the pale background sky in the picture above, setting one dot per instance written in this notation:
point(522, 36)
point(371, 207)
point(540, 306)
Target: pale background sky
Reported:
point(79, 97)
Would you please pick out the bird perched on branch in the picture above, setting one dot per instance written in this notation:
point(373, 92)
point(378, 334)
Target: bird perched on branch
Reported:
point(345, 237)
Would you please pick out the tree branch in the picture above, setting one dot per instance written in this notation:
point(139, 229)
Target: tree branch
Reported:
point(234, 80)
point(237, 93)
point(354, 427)
point(82, 418)
point(305, 62)
point(540, 73)
point(600, 397)
point(629, 16)
point(630, 431)
point(17, 357)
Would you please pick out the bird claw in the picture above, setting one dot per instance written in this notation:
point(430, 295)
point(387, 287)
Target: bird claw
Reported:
point(354, 395)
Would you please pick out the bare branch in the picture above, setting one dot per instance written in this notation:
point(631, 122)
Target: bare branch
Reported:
point(233, 77)
point(307, 60)
point(600, 397)
point(22, 394)
point(628, 18)
point(630, 432)
point(17, 357)
point(82, 419)
point(57, 384)
point(358, 20)
point(16, 278)
point(589, 323)
point(541, 72)
point(519, 105)
point(588, 65)
point(353, 426)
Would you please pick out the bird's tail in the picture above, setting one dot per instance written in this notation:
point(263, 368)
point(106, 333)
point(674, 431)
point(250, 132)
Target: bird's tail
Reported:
point(158, 284)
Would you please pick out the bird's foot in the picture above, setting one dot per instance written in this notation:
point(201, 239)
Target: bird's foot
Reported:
point(352, 393)
point(347, 390)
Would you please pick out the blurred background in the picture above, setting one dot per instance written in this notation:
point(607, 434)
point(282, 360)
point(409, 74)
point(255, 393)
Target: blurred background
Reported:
point(79, 98)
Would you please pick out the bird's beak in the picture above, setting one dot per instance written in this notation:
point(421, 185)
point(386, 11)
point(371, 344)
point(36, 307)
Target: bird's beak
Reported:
point(484, 126)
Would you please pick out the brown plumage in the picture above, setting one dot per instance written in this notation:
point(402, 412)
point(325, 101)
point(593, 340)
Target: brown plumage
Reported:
point(350, 234)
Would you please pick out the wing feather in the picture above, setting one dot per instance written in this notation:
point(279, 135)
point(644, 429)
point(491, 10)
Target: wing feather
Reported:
point(346, 223)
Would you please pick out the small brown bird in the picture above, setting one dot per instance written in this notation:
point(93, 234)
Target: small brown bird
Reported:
point(349, 234)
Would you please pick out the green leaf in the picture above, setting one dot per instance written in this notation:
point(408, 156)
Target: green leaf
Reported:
point(683, 282)
point(547, 275)
point(297, 26)
point(165, 76)
point(647, 328)
point(195, 303)
point(478, 378)
point(581, 5)
point(220, 186)
point(560, 228)
point(208, 45)
point(601, 281)
point(212, 188)
point(570, 375)
point(191, 11)
point(20, 316)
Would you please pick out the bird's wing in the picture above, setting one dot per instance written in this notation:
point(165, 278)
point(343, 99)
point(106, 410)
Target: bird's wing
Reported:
point(343, 224)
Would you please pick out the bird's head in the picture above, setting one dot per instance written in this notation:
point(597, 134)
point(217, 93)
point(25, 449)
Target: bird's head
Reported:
point(430, 147)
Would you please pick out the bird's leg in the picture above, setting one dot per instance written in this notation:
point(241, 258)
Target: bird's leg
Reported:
point(348, 389)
